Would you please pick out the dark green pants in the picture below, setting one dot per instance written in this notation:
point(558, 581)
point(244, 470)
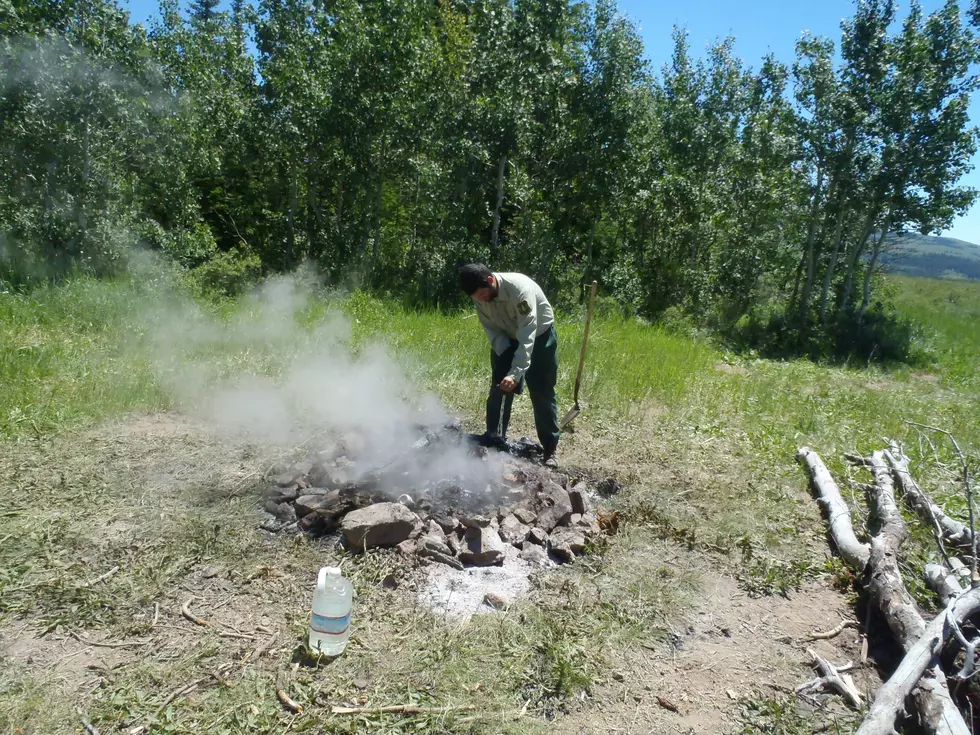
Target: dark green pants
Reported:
point(540, 378)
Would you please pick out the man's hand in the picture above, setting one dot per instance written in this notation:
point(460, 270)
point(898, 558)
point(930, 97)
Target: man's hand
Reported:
point(508, 385)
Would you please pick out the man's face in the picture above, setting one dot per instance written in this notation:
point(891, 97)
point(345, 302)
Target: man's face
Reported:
point(488, 293)
point(483, 295)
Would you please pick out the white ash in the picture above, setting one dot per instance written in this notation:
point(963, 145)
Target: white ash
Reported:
point(458, 595)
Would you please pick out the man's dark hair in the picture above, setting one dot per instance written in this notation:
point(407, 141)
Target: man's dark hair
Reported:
point(474, 276)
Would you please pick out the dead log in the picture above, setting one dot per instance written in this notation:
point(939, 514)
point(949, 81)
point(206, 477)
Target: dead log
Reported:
point(930, 513)
point(890, 700)
point(854, 553)
point(883, 580)
point(936, 710)
point(944, 582)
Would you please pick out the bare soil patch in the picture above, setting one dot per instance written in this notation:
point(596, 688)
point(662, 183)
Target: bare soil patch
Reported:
point(729, 649)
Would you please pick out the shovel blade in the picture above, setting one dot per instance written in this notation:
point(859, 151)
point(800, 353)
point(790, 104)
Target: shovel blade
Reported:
point(569, 417)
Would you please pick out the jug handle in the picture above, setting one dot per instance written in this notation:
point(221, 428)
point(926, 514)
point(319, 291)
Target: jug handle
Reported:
point(321, 580)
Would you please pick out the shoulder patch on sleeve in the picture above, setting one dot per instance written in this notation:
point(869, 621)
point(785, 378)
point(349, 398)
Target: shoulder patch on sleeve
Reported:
point(524, 308)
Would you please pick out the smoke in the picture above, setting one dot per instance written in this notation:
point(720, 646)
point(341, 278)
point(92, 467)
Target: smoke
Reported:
point(282, 371)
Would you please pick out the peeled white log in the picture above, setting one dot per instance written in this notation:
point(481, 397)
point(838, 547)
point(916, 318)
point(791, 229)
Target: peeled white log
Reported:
point(944, 582)
point(890, 699)
point(934, 706)
point(854, 553)
point(930, 513)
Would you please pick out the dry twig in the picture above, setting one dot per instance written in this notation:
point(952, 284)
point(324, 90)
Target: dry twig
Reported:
point(834, 632)
point(185, 610)
point(408, 709)
point(102, 578)
point(97, 644)
point(287, 702)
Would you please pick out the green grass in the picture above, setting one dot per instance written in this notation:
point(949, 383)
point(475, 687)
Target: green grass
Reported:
point(705, 440)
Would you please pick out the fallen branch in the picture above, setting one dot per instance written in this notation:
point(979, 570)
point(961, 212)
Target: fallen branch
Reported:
point(890, 699)
point(287, 702)
point(969, 493)
point(883, 581)
point(936, 710)
point(188, 688)
point(408, 709)
point(855, 553)
point(89, 728)
point(833, 676)
point(943, 582)
point(103, 578)
point(833, 632)
point(156, 615)
point(185, 610)
point(952, 530)
point(98, 644)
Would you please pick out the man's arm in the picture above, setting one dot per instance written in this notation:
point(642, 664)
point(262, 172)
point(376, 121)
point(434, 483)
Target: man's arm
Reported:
point(527, 328)
point(498, 340)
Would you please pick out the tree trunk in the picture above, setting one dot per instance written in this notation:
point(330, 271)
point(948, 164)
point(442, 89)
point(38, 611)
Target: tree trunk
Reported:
point(828, 275)
point(291, 221)
point(312, 209)
point(879, 243)
point(809, 255)
point(495, 230)
point(854, 255)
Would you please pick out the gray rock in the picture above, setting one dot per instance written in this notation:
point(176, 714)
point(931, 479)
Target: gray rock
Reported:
point(454, 544)
point(286, 513)
point(580, 498)
point(525, 515)
point(475, 522)
point(448, 524)
point(482, 547)
point(557, 508)
point(307, 503)
point(434, 543)
point(289, 494)
point(496, 600)
point(451, 561)
point(567, 543)
point(512, 531)
point(381, 524)
point(406, 547)
point(534, 554)
point(286, 479)
point(574, 519)
point(537, 536)
point(434, 529)
point(271, 507)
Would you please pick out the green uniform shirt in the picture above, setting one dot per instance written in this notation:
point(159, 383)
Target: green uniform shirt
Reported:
point(520, 312)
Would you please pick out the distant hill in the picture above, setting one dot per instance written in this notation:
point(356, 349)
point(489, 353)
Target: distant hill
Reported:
point(928, 256)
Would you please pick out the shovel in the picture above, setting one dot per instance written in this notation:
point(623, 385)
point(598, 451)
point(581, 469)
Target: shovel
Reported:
point(576, 409)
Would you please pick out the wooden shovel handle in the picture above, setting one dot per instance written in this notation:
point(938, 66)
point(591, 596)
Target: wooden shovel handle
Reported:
point(585, 340)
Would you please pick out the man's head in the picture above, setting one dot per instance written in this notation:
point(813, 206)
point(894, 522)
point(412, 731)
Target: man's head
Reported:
point(477, 280)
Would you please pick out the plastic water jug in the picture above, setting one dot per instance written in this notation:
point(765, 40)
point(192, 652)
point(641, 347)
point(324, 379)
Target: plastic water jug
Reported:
point(330, 622)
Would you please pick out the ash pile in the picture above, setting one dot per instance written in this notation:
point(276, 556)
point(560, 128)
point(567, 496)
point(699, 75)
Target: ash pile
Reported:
point(448, 497)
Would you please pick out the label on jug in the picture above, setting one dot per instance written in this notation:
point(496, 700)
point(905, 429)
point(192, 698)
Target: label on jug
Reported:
point(330, 626)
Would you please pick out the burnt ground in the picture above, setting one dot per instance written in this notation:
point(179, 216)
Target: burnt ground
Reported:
point(662, 632)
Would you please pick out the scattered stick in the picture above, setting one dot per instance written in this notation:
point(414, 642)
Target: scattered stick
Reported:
point(287, 702)
point(260, 650)
point(185, 610)
point(668, 705)
point(97, 644)
point(156, 615)
point(834, 632)
point(89, 728)
point(188, 688)
point(834, 677)
point(103, 578)
point(407, 709)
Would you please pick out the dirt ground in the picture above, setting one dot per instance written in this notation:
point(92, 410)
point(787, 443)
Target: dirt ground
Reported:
point(725, 654)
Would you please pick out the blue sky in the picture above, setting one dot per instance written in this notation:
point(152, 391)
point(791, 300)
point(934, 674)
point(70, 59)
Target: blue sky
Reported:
point(759, 27)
